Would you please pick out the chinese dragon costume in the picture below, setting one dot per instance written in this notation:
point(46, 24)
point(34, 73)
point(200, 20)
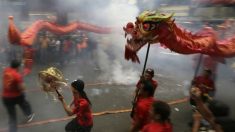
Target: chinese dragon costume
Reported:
point(153, 27)
point(26, 38)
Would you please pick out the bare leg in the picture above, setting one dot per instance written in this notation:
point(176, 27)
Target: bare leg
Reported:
point(196, 121)
point(204, 110)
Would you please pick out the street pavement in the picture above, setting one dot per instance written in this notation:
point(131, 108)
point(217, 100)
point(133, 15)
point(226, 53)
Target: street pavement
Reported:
point(110, 96)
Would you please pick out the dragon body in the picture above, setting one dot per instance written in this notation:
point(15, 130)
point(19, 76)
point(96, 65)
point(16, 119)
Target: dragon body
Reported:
point(26, 38)
point(152, 28)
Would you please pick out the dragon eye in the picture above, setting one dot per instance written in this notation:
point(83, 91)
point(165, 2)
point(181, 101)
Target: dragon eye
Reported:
point(146, 26)
point(149, 26)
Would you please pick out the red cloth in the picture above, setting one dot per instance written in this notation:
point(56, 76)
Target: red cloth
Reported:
point(13, 32)
point(11, 81)
point(83, 111)
point(27, 37)
point(28, 60)
point(157, 127)
point(154, 83)
point(142, 111)
point(202, 81)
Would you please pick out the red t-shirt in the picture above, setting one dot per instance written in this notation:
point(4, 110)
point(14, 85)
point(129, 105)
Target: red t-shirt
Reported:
point(83, 111)
point(157, 127)
point(142, 111)
point(154, 83)
point(11, 81)
point(202, 81)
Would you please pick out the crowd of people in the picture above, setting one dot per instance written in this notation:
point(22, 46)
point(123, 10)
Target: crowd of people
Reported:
point(53, 48)
point(59, 48)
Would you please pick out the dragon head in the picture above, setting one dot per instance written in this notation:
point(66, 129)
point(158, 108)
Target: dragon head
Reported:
point(144, 31)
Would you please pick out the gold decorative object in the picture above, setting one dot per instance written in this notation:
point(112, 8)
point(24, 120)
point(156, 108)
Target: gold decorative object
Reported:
point(51, 80)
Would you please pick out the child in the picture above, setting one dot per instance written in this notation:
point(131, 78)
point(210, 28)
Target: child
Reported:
point(84, 120)
point(160, 113)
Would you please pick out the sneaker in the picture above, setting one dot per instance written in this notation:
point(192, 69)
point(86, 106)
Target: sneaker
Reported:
point(30, 118)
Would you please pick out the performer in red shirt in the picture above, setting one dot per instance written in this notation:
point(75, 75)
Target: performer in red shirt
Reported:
point(81, 108)
point(13, 94)
point(205, 84)
point(160, 113)
point(205, 88)
point(148, 75)
point(141, 116)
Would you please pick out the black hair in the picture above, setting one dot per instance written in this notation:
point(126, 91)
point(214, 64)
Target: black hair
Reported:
point(79, 86)
point(208, 71)
point(163, 109)
point(148, 87)
point(15, 63)
point(150, 71)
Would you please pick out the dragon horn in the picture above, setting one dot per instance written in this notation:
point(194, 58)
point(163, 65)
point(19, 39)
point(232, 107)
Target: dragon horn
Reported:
point(164, 17)
point(13, 32)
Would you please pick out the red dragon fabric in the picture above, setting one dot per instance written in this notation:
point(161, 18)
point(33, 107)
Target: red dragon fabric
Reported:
point(13, 32)
point(153, 28)
point(27, 37)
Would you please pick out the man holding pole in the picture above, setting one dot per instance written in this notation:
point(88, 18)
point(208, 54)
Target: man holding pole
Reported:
point(141, 115)
point(148, 76)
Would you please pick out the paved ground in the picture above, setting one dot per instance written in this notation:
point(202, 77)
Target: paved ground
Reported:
point(106, 95)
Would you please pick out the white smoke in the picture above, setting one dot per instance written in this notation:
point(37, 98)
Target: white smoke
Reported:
point(110, 51)
point(123, 76)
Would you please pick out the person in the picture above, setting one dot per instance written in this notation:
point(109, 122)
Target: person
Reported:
point(142, 108)
point(205, 84)
point(81, 108)
point(202, 112)
point(44, 41)
point(13, 94)
point(148, 75)
point(160, 113)
point(66, 50)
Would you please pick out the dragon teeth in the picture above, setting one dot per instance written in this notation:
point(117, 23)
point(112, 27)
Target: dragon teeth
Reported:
point(127, 41)
point(128, 36)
